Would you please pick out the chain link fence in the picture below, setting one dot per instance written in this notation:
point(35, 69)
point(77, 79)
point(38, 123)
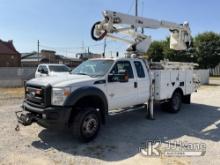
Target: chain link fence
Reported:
point(15, 76)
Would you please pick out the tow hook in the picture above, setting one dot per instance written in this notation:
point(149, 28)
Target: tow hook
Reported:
point(25, 118)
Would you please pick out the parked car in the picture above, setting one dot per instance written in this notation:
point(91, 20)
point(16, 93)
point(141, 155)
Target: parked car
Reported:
point(44, 70)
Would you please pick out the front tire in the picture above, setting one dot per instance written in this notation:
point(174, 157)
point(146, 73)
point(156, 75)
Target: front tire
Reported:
point(86, 124)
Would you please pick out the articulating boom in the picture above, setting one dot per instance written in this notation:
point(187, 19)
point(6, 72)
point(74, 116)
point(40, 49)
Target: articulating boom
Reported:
point(180, 38)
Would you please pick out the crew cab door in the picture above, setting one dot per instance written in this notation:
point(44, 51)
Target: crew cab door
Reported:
point(143, 82)
point(122, 94)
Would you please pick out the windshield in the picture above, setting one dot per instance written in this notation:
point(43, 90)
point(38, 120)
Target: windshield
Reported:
point(93, 67)
point(59, 68)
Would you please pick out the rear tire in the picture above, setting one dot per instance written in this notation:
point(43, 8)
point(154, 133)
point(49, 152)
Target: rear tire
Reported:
point(86, 124)
point(174, 104)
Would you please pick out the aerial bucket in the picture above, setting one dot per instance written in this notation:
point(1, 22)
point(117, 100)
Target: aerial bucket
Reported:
point(178, 41)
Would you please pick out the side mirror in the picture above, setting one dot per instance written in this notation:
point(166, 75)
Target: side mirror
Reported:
point(122, 76)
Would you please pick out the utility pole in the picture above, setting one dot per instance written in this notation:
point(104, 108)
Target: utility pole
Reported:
point(117, 54)
point(142, 4)
point(88, 50)
point(136, 14)
point(83, 48)
point(38, 54)
point(136, 10)
point(104, 47)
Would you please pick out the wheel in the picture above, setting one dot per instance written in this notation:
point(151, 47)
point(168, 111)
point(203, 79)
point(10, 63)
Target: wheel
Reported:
point(175, 103)
point(86, 124)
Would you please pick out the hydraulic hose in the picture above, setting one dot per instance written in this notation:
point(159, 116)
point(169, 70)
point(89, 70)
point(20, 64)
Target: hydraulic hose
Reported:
point(94, 37)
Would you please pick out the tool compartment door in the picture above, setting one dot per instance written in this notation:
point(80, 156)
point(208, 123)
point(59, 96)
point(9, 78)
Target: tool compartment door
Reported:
point(189, 82)
point(162, 84)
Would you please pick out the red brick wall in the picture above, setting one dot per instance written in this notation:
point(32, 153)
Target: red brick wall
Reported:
point(13, 60)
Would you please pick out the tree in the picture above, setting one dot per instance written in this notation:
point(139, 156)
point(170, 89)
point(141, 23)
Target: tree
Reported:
point(155, 52)
point(205, 50)
point(160, 50)
point(208, 49)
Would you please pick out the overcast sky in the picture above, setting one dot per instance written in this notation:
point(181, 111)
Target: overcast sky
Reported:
point(64, 25)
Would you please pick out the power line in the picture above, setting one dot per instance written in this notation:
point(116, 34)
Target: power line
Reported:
point(142, 14)
point(142, 8)
point(130, 8)
point(38, 48)
point(74, 48)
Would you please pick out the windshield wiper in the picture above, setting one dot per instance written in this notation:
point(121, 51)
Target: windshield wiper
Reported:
point(98, 75)
point(82, 74)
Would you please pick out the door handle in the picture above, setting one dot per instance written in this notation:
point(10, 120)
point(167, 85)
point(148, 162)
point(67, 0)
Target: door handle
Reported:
point(135, 84)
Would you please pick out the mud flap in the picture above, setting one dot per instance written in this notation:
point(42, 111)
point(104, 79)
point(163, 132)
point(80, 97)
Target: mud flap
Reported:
point(150, 110)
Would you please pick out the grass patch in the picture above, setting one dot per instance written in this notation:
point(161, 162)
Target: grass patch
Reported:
point(11, 92)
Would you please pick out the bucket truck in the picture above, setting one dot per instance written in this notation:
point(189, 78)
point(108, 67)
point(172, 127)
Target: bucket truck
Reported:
point(82, 100)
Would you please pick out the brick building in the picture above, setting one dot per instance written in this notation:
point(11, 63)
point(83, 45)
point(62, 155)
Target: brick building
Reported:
point(9, 56)
point(47, 56)
point(86, 56)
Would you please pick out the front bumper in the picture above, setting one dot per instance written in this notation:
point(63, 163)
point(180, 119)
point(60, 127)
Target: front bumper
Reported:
point(50, 117)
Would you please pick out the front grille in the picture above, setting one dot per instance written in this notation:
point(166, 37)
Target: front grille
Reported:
point(38, 96)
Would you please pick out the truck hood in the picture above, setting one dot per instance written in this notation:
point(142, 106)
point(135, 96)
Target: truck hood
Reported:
point(59, 73)
point(62, 80)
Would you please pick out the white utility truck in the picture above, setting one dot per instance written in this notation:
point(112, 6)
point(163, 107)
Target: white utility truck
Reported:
point(82, 100)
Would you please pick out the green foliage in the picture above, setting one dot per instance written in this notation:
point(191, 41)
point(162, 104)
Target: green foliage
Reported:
point(208, 49)
point(156, 51)
point(205, 51)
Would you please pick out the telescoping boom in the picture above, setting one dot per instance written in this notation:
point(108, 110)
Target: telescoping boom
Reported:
point(115, 23)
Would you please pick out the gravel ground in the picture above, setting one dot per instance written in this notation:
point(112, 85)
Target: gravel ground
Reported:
point(11, 96)
point(120, 139)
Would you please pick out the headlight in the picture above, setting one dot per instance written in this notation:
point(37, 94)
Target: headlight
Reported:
point(59, 95)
